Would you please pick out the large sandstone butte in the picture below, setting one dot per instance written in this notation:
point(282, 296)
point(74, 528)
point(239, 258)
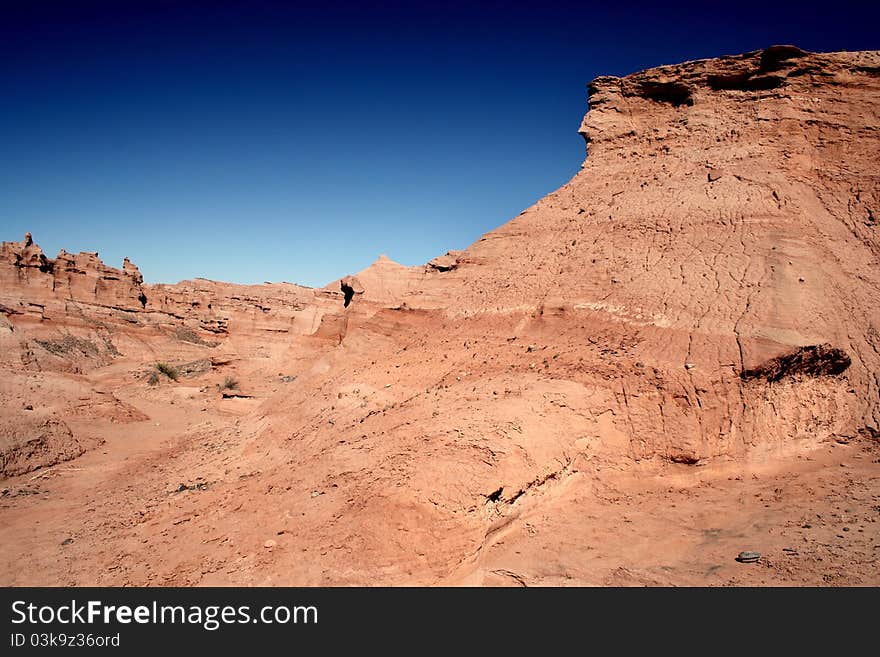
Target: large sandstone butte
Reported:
point(672, 358)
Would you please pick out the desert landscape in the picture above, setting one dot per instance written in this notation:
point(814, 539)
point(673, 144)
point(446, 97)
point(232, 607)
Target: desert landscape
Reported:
point(671, 360)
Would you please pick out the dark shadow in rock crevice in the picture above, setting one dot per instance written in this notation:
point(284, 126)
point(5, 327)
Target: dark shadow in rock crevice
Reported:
point(812, 360)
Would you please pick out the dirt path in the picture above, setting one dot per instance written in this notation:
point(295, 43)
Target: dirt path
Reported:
point(61, 516)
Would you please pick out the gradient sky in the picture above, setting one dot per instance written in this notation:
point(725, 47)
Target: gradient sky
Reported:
point(265, 141)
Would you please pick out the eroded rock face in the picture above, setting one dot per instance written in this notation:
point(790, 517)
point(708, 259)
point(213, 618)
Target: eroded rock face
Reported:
point(23, 256)
point(722, 221)
point(29, 277)
point(446, 262)
point(383, 283)
point(28, 443)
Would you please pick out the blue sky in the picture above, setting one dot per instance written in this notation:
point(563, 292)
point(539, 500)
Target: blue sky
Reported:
point(265, 141)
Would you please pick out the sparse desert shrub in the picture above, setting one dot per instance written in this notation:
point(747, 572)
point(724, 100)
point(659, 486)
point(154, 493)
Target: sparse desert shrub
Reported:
point(229, 383)
point(69, 344)
point(168, 370)
point(111, 348)
point(186, 334)
point(153, 379)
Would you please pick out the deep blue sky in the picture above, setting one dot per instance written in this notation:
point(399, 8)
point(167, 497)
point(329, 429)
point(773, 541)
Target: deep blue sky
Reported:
point(258, 141)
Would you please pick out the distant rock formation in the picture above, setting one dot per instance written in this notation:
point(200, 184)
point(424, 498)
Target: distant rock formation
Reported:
point(32, 284)
point(82, 277)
